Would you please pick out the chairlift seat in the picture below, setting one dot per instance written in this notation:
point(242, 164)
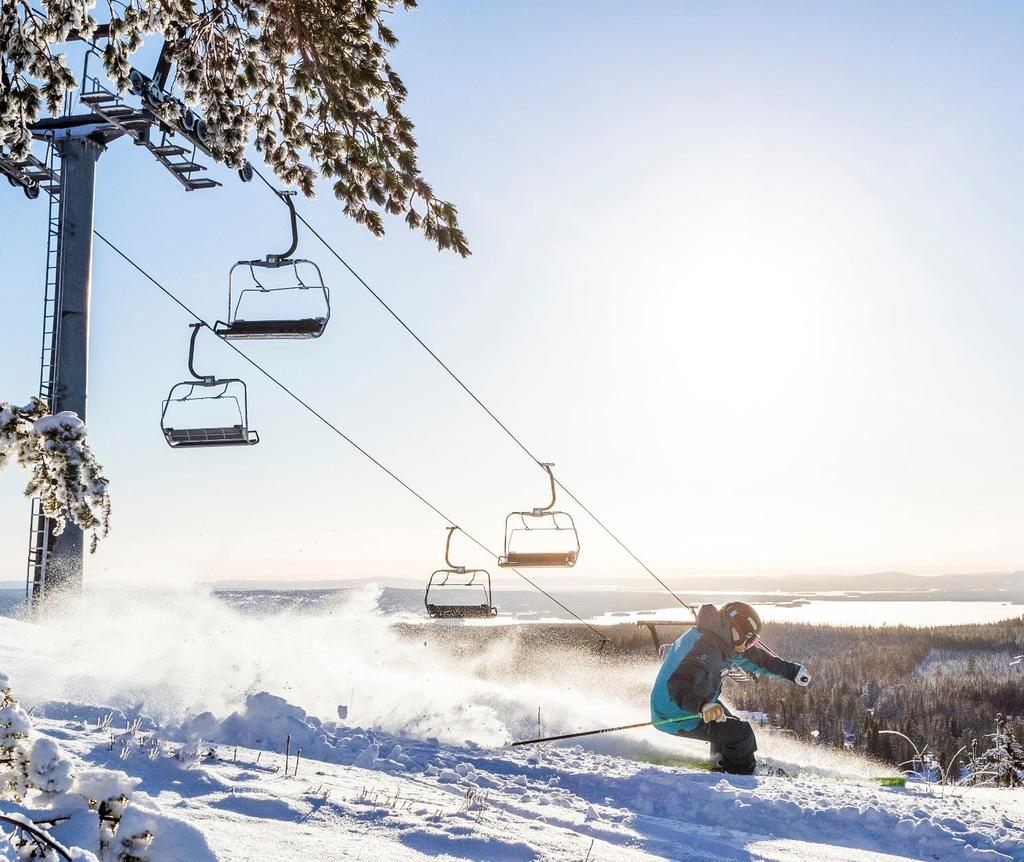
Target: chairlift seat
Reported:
point(307, 327)
point(234, 435)
point(554, 527)
point(204, 430)
point(444, 582)
point(525, 559)
point(252, 311)
point(461, 612)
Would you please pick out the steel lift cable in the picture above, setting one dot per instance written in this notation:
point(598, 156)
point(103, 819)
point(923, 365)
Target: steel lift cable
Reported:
point(302, 402)
point(457, 379)
point(473, 395)
point(440, 362)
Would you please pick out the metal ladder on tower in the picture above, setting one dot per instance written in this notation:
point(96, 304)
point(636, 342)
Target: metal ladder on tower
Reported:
point(41, 527)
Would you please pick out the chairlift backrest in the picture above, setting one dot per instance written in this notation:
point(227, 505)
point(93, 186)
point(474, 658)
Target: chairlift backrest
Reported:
point(542, 537)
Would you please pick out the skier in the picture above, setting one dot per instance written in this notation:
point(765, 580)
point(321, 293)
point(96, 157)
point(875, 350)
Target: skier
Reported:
point(690, 682)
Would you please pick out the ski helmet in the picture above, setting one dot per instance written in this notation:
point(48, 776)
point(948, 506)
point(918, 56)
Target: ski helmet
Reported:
point(743, 620)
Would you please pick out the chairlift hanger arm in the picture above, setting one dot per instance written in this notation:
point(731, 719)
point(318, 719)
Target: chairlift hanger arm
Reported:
point(541, 510)
point(206, 378)
point(273, 261)
point(448, 547)
point(279, 259)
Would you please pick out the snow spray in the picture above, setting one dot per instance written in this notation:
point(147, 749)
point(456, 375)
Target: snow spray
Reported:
point(173, 654)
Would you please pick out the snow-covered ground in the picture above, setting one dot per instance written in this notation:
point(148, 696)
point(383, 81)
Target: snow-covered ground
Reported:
point(196, 702)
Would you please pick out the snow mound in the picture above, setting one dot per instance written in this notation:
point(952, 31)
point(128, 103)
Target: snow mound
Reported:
point(270, 723)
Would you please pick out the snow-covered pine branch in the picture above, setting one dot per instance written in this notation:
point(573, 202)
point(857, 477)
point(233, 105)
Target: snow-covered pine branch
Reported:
point(36, 771)
point(308, 84)
point(64, 472)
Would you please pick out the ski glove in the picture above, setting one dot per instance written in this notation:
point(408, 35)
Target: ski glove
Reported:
point(712, 712)
point(802, 677)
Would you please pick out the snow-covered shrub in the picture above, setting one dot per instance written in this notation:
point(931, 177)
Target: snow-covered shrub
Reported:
point(41, 765)
point(106, 791)
point(1000, 765)
point(49, 768)
point(64, 472)
point(98, 784)
point(15, 727)
point(133, 848)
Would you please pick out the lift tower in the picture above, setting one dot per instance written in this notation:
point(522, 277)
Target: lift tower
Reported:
point(55, 562)
point(66, 172)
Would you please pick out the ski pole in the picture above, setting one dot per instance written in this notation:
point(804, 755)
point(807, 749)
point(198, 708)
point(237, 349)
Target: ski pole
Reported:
point(610, 729)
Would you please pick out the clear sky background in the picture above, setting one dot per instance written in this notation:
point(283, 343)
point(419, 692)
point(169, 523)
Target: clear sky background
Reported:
point(750, 275)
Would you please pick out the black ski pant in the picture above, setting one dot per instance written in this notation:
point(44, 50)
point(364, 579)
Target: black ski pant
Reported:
point(732, 743)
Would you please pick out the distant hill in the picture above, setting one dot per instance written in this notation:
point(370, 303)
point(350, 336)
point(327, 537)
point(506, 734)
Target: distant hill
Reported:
point(877, 581)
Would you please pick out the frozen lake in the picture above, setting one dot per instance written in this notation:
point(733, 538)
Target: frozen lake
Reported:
point(865, 613)
point(407, 605)
point(868, 613)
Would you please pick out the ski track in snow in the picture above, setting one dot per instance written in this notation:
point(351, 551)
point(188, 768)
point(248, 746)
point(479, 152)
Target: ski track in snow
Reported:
point(425, 800)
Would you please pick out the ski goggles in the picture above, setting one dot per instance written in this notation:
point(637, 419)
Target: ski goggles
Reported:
point(750, 639)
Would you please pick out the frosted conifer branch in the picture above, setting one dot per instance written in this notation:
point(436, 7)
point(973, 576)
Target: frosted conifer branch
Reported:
point(309, 84)
point(64, 472)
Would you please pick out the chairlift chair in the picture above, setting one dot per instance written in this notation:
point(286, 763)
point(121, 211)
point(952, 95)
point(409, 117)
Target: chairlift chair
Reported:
point(444, 584)
point(541, 537)
point(207, 390)
point(246, 320)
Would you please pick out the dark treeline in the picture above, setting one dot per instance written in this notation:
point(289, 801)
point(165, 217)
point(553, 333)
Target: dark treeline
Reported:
point(941, 686)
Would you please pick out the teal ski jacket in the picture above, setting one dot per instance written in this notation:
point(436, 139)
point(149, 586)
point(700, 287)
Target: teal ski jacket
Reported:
point(691, 675)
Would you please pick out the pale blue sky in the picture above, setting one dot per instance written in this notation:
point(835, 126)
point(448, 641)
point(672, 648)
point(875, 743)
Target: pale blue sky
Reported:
point(750, 275)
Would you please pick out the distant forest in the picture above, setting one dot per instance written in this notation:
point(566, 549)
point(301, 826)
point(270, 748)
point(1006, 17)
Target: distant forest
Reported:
point(940, 686)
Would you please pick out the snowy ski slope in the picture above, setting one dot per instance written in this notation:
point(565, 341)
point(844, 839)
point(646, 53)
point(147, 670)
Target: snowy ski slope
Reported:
point(212, 783)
